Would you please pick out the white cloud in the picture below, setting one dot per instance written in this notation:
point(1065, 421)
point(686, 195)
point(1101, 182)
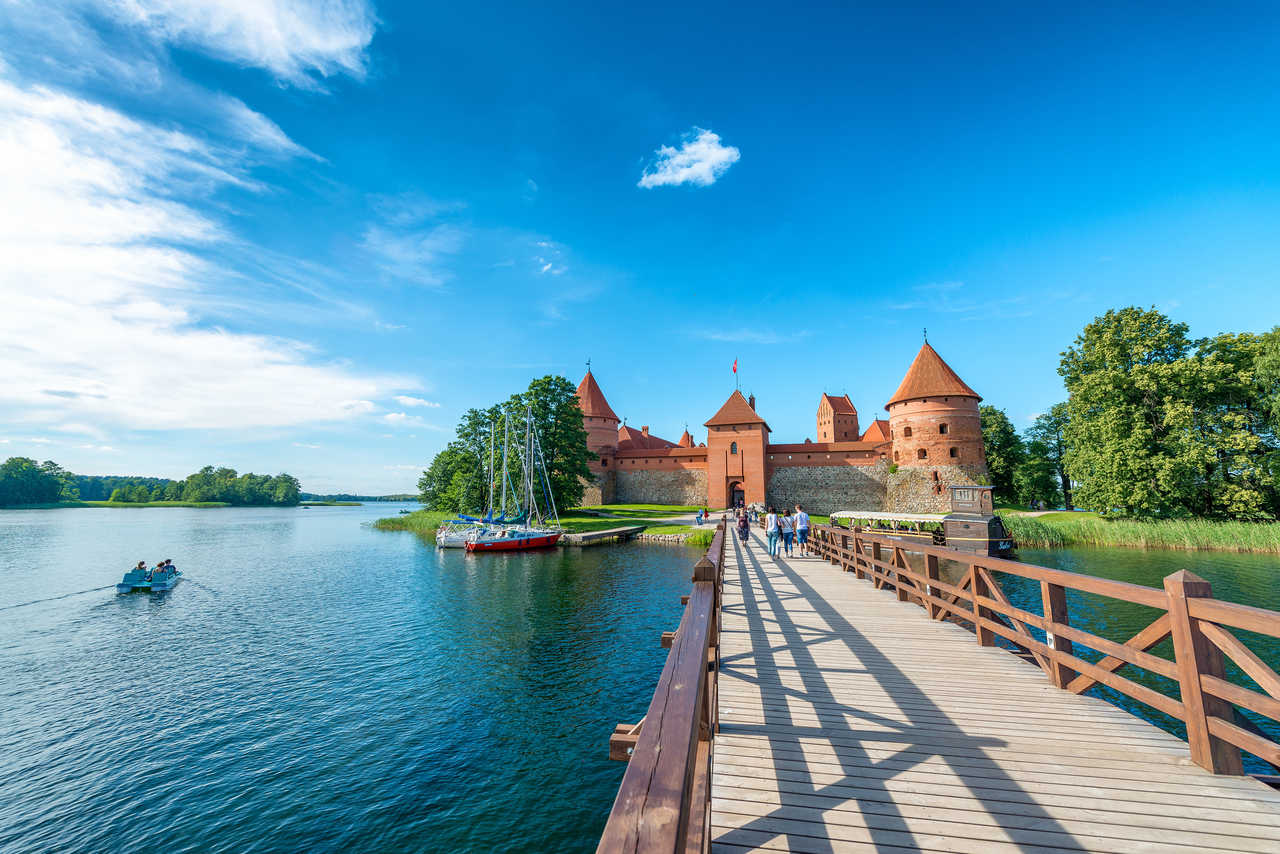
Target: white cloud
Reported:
point(700, 160)
point(106, 449)
point(405, 400)
point(296, 40)
point(754, 336)
point(100, 284)
point(417, 255)
point(256, 129)
point(404, 467)
point(305, 445)
point(403, 419)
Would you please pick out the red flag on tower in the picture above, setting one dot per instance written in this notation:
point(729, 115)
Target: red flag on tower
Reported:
point(735, 366)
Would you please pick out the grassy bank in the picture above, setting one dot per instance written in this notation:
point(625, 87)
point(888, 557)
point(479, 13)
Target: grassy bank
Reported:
point(694, 535)
point(1058, 530)
point(425, 522)
point(126, 504)
point(330, 503)
point(641, 511)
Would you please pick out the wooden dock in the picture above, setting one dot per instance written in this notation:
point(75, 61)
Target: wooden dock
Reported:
point(591, 538)
point(850, 722)
point(858, 702)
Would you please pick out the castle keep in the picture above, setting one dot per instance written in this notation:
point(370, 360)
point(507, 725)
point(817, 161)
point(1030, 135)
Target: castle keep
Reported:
point(931, 440)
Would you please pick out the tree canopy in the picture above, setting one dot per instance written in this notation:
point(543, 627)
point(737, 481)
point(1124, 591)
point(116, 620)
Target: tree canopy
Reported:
point(1003, 449)
point(1160, 425)
point(23, 481)
point(457, 479)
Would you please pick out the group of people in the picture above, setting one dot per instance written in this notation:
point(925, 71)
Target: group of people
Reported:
point(780, 529)
point(163, 566)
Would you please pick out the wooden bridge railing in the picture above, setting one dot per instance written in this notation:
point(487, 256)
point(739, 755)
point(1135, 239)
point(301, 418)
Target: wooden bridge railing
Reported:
point(664, 801)
point(1200, 626)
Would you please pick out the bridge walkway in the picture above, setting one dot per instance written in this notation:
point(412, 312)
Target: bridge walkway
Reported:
point(849, 722)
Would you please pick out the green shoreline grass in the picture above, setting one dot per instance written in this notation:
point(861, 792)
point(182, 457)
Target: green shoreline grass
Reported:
point(1060, 530)
point(330, 503)
point(57, 504)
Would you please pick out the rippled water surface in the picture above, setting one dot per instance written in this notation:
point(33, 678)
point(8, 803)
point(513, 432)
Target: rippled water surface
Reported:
point(313, 684)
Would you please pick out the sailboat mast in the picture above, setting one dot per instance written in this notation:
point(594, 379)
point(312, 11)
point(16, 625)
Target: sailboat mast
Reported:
point(506, 440)
point(491, 471)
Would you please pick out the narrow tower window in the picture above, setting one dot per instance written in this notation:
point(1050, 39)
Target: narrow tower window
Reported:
point(922, 454)
point(942, 429)
point(906, 432)
point(733, 447)
point(953, 453)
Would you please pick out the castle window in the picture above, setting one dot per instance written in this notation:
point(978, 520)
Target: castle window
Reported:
point(733, 447)
point(942, 429)
point(922, 454)
point(895, 456)
point(954, 453)
point(906, 432)
point(604, 462)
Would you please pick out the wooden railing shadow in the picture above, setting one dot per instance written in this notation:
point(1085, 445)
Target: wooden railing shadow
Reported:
point(664, 801)
point(1199, 625)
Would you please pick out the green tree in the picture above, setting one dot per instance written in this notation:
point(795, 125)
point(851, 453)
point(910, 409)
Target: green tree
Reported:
point(139, 494)
point(119, 494)
point(23, 481)
point(1036, 477)
point(1003, 449)
point(1048, 430)
point(557, 417)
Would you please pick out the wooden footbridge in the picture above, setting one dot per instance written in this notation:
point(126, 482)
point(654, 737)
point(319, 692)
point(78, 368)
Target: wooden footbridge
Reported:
point(858, 700)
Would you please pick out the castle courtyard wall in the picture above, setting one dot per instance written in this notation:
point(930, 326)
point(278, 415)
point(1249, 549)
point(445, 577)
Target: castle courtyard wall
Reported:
point(686, 486)
point(914, 490)
point(825, 489)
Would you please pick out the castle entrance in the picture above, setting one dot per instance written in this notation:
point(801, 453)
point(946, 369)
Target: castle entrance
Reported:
point(736, 495)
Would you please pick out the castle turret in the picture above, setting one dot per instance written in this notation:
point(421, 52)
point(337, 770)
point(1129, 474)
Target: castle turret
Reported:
point(602, 437)
point(933, 417)
point(736, 440)
point(837, 419)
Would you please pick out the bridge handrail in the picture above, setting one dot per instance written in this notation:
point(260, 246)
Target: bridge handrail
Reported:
point(1197, 622)
point(664, 800)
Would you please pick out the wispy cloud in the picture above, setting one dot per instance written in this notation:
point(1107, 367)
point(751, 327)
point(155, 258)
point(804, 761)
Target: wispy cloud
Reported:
point(403, 419)
point(754, 336)
point(105, 233)
point(307, 445)
point(700, 160)
point(953, 297)
point(405, 400)
point(414, 255)
point(297, 41)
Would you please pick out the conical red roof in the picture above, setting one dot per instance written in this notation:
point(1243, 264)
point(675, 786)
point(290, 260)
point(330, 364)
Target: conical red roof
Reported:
point(686, 441)
point(736, 410)
point(929, 376)
point(591, 399)
point(877, 432)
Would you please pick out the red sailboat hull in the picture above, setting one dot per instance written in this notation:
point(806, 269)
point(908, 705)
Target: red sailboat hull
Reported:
point(512, 544)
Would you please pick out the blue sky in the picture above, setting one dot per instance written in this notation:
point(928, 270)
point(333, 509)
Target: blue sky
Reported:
point(305, 236)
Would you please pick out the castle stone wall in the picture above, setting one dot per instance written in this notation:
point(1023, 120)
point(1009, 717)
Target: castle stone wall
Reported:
point(913, 490)
point(825, 489)
point(600, 489)
point(685, 486)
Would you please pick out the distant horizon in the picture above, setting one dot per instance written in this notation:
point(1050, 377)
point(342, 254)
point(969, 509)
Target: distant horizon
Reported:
point(306, 237)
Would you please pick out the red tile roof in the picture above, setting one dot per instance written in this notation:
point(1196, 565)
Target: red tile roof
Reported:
point(840, 405)
point(736, 410)
point(877, 432)
point(686, 441)
point(591, 399)
point(631, 439)
point(929, 376)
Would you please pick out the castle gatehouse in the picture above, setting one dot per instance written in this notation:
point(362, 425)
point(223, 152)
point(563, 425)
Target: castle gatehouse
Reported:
point(932, 440)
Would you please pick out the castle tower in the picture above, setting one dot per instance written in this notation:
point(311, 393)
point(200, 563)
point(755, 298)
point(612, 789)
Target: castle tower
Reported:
point(837, 419)
point(602, 437)
point(933, 417)
point(736, 442)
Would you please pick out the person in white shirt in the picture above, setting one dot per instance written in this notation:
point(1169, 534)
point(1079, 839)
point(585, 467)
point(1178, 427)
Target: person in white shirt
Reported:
point(802, 529)
point(785, 525)
point(771, 531)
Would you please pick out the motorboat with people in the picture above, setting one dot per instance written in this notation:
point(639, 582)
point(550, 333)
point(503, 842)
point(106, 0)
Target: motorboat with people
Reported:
point(161, 577)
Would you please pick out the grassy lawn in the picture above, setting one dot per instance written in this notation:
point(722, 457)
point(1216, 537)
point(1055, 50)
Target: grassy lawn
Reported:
point(642, 511)
point(700, 536)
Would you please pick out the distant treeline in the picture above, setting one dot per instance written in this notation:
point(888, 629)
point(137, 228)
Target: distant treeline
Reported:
point(343, 496)
point(24, 481)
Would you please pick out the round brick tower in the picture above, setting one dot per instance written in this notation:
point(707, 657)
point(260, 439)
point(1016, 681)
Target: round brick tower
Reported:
point(933, 417)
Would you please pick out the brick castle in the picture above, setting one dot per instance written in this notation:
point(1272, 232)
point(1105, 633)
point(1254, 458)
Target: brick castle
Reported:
point(931, 440)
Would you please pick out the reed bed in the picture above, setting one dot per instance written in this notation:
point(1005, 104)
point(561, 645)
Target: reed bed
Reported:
point(1061, 530)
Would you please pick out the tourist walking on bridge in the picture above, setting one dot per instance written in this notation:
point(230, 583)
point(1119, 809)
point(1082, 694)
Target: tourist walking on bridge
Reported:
point(802, 529)
point(771, 531)
point(787, 527)
point(744, 526)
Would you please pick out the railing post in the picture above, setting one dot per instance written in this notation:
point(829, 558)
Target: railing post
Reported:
point(844, 553)
point(900, 561)
point(1054, 597)
point(978, 587)
point(931, 570)
point(857, 552)
point(875, 570)
point(1196, 656)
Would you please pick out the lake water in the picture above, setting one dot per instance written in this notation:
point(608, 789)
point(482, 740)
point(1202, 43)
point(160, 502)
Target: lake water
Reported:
point(314, 685)
point(317, 685)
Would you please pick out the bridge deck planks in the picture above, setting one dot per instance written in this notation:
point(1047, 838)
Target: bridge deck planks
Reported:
point(849, 721)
